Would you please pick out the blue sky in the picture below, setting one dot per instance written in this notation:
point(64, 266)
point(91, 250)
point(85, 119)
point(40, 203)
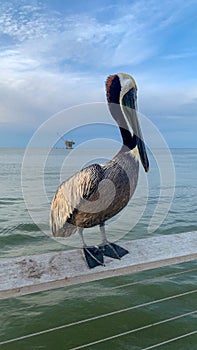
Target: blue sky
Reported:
point(56, 54)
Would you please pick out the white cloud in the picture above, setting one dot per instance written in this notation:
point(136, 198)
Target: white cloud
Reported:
point(30, 93)
point(180, 55)
point(25, 22)
point(126, 39)
point(83, 39)
point(52, 62)
point(163, 100)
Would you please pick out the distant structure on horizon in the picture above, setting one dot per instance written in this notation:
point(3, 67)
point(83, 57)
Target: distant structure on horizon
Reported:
point(68, 144)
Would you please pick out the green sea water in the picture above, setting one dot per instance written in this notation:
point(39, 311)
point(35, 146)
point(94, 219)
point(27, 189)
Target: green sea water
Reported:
point(152, 309)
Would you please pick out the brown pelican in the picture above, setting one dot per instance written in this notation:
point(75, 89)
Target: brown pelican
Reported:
point(87, 198)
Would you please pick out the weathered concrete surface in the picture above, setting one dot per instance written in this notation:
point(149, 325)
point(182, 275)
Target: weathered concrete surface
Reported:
point(29, 274)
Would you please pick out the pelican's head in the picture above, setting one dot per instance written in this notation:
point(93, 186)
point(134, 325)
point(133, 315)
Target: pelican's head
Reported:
point(122, 90)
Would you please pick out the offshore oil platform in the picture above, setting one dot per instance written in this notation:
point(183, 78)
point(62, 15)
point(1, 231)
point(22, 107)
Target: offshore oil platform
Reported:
point(68, 143)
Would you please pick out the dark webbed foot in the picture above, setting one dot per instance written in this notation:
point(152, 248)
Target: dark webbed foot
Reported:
point(113, 250)
point(93, 256)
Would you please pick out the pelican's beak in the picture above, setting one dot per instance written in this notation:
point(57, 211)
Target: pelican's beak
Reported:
point(128, 105)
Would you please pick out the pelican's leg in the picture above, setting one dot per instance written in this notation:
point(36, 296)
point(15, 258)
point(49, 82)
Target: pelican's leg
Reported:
point(93, 255)
point(111, 249)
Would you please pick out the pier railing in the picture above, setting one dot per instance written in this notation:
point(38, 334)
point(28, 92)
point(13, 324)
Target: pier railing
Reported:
point(35, 273)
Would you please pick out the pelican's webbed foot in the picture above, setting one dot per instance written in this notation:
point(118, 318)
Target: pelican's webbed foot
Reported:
point(113, 250)
point(93, 256)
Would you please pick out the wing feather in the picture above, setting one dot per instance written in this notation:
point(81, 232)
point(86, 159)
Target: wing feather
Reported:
point(69, 195)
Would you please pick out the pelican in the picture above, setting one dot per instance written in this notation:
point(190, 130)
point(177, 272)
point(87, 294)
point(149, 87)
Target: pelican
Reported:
point(100, 191)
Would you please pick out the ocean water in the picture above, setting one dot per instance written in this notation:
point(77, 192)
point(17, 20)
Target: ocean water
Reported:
point(159, 304)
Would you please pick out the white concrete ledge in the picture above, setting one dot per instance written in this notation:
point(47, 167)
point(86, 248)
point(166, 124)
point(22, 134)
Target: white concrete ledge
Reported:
point(35, 273)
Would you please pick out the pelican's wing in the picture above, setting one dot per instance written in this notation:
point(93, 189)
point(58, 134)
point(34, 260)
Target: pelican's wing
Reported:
point(70, 195)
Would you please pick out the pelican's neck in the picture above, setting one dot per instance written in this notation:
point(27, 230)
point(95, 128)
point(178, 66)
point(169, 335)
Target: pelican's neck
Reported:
point(129, 141)
point(113, 97)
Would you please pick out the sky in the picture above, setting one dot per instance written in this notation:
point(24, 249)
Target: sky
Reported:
point(56, 54)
